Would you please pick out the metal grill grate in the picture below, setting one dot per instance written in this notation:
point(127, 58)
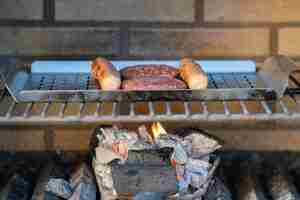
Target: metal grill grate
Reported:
point(286, 108)
point(60, 82)
point(110, 112)
point(56, 81)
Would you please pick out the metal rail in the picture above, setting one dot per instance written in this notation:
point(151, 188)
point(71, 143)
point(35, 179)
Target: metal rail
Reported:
point(27, 113)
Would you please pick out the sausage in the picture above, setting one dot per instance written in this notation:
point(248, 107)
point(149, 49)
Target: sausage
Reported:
point(140, 71)
point(106, 74)
point(153, 83)
point(193, 74)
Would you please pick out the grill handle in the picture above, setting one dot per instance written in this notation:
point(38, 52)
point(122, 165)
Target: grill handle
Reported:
point(275, 74)
point(7, 69)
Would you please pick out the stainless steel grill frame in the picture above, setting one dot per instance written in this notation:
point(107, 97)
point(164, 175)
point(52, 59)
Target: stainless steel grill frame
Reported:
point(268, 83)
point(68, 112)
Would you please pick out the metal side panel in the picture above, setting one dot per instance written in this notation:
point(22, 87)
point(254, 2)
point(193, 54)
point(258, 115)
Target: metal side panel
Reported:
point(275, 73)
point(7, 68)
point(11, 77)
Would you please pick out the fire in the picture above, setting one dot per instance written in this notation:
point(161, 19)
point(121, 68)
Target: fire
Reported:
point(157, 129)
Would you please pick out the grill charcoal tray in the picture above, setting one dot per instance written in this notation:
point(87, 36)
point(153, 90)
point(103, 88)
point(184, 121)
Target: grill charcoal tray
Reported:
point(81, 87)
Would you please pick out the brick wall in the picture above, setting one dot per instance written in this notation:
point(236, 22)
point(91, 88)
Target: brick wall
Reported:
point(150, 29)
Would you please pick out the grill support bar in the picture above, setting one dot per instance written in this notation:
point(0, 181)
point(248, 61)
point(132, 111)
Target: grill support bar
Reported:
point(168, 116)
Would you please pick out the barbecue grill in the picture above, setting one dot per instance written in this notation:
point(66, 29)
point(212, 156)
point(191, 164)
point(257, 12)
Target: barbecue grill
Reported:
point(33, 97)
point(50, 105)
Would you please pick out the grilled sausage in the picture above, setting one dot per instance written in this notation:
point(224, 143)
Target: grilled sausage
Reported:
point(153, 83)
point(140, 71)
point(106, 74)
point(193, 74)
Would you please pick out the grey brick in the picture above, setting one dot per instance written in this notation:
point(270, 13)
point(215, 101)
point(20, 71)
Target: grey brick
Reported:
point(131, 10)
point(252, 11)
point(200, 42)
point(21, 9)
point(73, 41)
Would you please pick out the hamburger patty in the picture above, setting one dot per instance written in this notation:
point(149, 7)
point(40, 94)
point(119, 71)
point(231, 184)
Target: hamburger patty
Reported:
point(140, 71)
point(153, 83)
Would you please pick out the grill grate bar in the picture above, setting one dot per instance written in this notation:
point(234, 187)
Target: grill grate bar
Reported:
point(115, 112)
point(131, 110)
point(81, 107)
point(187, 108)
point(10, 110)
point(168, 108)
point(226, 108)
point(45, 110)
point(244, 108)
point(284, 107)
point(266, 107)
point(62, 110)
point(97, 111)
point(205, 108)
point(151, 108)
point(27, 110)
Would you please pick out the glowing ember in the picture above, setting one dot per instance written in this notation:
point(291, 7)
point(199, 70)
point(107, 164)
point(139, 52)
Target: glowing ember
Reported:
point(157, 129)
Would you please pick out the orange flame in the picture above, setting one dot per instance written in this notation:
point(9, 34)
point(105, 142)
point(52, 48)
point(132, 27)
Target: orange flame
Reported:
point(157, 129)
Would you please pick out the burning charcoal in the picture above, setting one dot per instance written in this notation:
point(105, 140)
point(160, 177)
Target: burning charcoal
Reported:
point(20, 185)
point(217, 191)
point(82, 183)
point(248, 186)
point(280, 185)
point(47, 190)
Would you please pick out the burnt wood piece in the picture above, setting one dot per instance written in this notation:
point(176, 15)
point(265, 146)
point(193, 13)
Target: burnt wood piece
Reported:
point(20, 184)
point(150, 157)
point(280, 185)
point(217, 190)
point(247, 184)
point(145, 171)
point(51, 170)
point(131, 179)
point(83, 183)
